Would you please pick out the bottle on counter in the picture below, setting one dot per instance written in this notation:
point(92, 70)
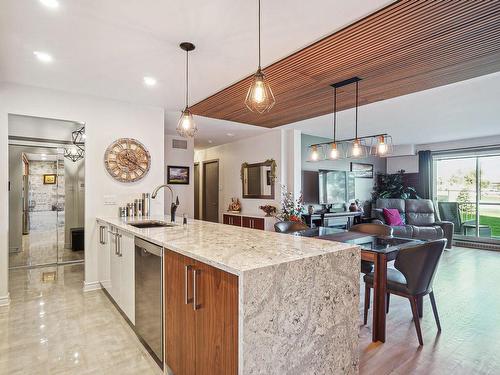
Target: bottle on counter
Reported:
point(146, 204)
point(122, 211)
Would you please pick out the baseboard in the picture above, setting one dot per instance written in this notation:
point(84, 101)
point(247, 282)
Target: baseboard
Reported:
point(88, 287)
point(477, 245)
point(5, 300)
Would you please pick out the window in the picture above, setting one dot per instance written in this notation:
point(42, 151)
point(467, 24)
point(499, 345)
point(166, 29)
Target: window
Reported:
point(467, 191)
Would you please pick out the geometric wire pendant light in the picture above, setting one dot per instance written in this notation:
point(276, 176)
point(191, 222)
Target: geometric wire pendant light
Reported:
point(77, 150)
point(74, 153)
point(260, 97)
point(186, 127)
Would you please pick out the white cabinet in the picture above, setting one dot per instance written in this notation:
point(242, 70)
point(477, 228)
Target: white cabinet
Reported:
point(121, 285)
point(103, 254)
point(127, 276)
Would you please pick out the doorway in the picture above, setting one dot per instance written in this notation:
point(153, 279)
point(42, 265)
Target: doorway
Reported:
point(197, 191)
point(211, 191)
point(467, 191)
point(46, 192)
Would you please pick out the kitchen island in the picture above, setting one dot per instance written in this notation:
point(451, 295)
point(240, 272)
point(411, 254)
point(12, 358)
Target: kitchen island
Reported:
point(240, 300)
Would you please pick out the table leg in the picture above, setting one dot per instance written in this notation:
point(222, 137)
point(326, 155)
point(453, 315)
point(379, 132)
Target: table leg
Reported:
point(379, 298)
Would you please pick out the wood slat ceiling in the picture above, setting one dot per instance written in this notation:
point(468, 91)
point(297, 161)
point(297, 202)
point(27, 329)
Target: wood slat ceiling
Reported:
point(408, 46)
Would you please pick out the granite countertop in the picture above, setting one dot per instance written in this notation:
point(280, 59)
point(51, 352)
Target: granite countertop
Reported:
point(232, 249)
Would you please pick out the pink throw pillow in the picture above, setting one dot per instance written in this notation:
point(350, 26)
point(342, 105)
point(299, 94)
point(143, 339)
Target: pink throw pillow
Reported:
point(392, 217)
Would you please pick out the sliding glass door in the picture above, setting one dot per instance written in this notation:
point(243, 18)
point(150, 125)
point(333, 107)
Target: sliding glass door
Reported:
point(467, 192)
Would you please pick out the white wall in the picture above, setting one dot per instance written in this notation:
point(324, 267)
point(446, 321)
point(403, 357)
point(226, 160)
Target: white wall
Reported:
point(35, 127)
point(106, 120)
point(231, 155)
point(182, 158)
point(364, 186)
point(410, 163)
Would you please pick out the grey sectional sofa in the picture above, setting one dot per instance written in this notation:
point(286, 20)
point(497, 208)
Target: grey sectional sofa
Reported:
point(420, 218)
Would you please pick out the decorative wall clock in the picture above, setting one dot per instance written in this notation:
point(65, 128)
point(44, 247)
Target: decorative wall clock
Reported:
point(127, 160)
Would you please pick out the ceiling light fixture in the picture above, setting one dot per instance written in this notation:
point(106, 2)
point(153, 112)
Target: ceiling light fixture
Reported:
point(334, 152)
point(43, 56)
point(186, 126)
point(260, 97)
point(358, 148)
point(50, 3)
point(314, 153)
point(77, 150)
point(383, 146)
point(74, 153)
point(358, 145)
point(149, 81)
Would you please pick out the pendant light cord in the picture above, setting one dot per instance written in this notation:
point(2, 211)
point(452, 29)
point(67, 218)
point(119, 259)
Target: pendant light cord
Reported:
point(334, 114)
point(357, 109)
point(259, 35)
point(187, 78)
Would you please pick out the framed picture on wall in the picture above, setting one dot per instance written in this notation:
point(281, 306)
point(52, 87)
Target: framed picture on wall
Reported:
point(49, 179)
point(177, 175)
point(362, 170)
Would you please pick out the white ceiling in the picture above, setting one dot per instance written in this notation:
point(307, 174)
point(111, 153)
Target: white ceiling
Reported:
point(467, 109)
point(213, 132)
point(105, 48)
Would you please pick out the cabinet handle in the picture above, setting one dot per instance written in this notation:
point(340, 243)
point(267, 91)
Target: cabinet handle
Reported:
point(187, 300)
point(196, 306)
point(119, 244)
point(116, 240)
point(101, 235)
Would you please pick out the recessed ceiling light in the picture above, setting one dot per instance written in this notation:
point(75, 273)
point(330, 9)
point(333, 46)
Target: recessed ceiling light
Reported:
point(230, 134)
point(149, 81)
point(50, 3)
point(43, 56)
point(210, 141)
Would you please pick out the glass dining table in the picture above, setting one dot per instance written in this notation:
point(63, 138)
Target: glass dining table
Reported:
point(376, 249)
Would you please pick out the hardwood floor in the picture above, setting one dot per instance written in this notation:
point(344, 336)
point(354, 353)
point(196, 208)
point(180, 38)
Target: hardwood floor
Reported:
point(467, 290)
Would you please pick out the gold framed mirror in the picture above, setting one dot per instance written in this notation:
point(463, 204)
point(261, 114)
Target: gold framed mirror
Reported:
point(258, 179)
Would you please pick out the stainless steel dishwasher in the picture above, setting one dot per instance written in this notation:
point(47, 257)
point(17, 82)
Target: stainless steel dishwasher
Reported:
point(149, 297)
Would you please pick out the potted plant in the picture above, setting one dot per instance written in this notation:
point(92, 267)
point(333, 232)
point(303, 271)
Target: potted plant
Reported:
point(392, 186)
point(290, 210)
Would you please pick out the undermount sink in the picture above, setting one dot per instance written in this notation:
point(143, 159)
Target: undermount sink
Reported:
point(151, 224)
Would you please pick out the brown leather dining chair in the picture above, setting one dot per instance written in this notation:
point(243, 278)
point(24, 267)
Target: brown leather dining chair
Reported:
point(412, 278)
point(289, 226)
point(373, 229)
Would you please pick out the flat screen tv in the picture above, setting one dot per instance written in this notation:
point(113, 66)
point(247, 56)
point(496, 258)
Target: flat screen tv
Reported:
point(336, 187)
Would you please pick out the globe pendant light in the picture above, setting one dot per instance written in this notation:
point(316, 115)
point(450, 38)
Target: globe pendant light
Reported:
point(260, 97)
point(186, 126)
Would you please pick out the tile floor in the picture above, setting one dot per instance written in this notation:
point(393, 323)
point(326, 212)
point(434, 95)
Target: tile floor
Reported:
point(41, 247)
point(55, 328)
